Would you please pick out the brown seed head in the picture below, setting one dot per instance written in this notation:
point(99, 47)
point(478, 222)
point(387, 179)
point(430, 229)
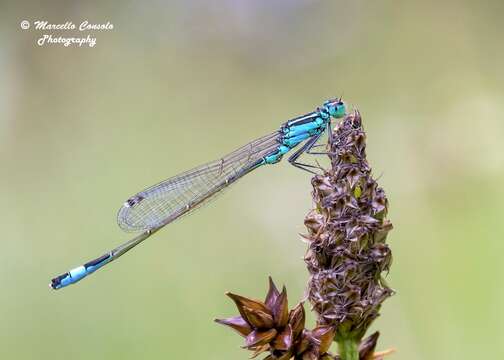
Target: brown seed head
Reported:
point(270, 327)
point(347, 230)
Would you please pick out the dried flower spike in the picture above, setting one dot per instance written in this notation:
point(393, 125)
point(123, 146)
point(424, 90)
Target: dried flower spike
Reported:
point(346, 234)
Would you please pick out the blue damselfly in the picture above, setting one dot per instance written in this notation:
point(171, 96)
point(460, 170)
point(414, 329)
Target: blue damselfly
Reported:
point(151, 209)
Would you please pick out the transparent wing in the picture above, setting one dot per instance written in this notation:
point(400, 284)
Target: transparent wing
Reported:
point(174, 197)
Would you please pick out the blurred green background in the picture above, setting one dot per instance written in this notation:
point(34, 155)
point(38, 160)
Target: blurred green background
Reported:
point(175, 84)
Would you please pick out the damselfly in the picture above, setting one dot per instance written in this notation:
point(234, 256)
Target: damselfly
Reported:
point(151, 209)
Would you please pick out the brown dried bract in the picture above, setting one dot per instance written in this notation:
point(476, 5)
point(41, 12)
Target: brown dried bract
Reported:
point(269, 326)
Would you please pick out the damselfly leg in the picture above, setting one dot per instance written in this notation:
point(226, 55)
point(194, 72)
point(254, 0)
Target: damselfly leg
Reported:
point(304, 149)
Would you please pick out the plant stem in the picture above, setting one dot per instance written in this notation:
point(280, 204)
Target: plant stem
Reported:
point(348, 349)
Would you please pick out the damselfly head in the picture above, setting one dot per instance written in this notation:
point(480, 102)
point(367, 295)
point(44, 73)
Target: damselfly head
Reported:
point(336, 108)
